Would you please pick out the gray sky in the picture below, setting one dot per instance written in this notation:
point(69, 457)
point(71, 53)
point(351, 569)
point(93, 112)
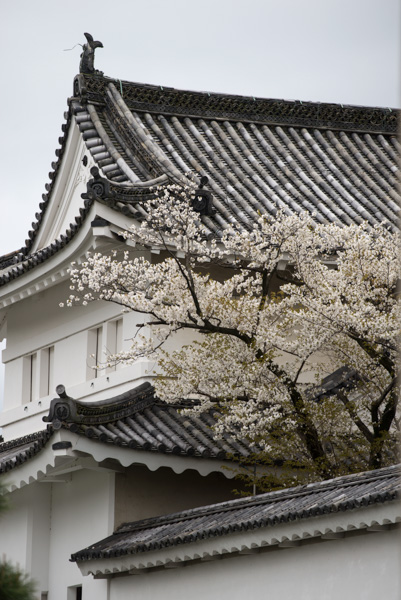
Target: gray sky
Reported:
point(344, 51)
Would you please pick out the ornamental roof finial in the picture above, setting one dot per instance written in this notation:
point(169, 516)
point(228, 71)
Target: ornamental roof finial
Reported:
point(87, 64)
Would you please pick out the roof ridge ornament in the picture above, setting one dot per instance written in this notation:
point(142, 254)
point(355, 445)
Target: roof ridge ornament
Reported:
point(87, 64)
point(62, 409)
point(203, 199)
point(98, 188)
point(71, 413)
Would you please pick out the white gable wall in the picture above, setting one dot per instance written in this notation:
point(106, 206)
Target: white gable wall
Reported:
point(66, 193)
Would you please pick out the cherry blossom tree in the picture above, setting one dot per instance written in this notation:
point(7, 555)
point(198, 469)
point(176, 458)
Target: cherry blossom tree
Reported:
point(274, 310)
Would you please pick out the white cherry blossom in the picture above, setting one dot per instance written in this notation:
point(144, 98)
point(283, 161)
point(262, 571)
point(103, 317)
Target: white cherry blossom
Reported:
point(273, 311)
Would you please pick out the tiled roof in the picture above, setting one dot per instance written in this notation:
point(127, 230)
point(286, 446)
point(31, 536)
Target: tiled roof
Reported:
point(18, 451)
point(339, 162)
point(259, 155)
point(136, 419)
point(267, 510)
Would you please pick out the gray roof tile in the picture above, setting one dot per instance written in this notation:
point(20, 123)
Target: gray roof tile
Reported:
point(259, 155)
point(302, 502)
point(15, 452)
point(135, 419)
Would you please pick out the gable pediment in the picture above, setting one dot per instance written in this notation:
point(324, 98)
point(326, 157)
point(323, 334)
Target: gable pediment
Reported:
point(69, 183)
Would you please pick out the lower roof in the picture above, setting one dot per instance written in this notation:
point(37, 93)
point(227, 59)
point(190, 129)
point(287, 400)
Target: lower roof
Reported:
point(296, 504)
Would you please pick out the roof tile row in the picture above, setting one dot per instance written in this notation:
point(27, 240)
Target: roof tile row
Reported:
point(302, 502)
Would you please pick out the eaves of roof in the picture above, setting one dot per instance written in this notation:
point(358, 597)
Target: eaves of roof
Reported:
point(281, 518)
point(64, 451)
point(16, 452)
point(136, 422)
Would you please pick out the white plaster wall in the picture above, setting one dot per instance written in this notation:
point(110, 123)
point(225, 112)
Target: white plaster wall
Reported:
point(39, 322)
point(365, 567)
point(25, 532)
point(70, 358)
point(47, 522)
point(14, 530)
point(141, 493)
point(13, 384)
point(82, 513)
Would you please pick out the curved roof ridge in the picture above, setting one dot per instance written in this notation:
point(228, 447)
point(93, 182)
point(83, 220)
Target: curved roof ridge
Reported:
point(68, 410)
point(116, 156)
point(159, 158)
point(168, 100)
point(138, 419)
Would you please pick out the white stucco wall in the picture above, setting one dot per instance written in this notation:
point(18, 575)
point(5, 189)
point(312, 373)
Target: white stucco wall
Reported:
point(47, 522)
point(364, 567)
point(82, 513)
point(25, 531)
point(141, 493)
point(35, 324)
point(38, 322)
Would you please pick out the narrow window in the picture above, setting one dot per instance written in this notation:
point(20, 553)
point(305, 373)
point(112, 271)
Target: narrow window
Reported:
point(46, 371)
point(50, 382)
point(114, 340)
point(95, 352)
point(30, 390)
point(33, 387)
